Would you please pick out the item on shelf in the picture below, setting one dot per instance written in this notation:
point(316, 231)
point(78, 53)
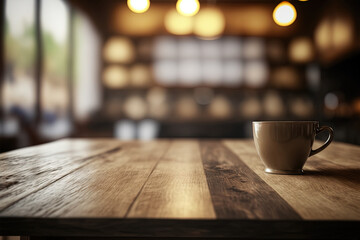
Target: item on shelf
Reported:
point(189, 73)
point(158, 103)
point(189, 48)
point(302, 107)
point(119, 50)
point(301, 50)
point(165, 47)
point(313, 76)
point(212, 72)
point(231, 48)
point(331, 101)
point(125, 130)
point(232, 73)
point(211, 49)
point(186, 108)
point(255, 73)
point(115, 76)
point(145, 48)
point(285, 77)
point(113, 108)
point(356, 106)
point(250, 108)
point(203, 95)
point(335, 106)
point(276, 51)
point(344, 110)
point(253, 48)
point(140, 75)
point(135, 107)
point(220, 107)
point(273, 105)
point(166, 72)
point(148, 129)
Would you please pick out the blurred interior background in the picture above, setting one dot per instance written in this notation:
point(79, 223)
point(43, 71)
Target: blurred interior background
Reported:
point(144, 69)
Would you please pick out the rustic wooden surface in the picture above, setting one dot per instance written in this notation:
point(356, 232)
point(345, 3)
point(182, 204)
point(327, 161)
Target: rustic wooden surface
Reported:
point(176, 188)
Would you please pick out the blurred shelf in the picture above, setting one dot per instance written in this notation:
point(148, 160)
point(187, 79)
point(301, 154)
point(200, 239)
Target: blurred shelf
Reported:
point(216, 88)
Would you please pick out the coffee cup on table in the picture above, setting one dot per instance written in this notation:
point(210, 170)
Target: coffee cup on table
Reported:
point(284, 146)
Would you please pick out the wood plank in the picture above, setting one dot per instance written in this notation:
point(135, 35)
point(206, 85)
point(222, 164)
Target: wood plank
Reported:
point(177, 188)
point(236, 191)
point(339, 153)
point(28, 170)
point(327, 191)
point(106, 187)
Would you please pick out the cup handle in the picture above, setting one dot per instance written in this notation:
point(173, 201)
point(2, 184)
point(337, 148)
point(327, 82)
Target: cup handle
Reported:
point(328, 141)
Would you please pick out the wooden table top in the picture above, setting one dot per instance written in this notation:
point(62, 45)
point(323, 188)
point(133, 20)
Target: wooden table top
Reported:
point(176, 188)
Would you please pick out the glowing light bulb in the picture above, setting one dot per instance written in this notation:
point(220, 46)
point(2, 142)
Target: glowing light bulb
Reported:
point(284, 14)
point(188, 7)
point(138, 6)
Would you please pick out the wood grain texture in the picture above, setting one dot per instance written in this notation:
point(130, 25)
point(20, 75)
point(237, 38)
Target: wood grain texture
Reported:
point(236, 191)
point(104, 188)
point(27, 170)
point(329, 190)
point(177, 188)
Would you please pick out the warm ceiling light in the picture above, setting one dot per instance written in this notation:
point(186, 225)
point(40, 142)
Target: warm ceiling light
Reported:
point(188, 7)
point(138, 6)
point(178, 24)
point(284, 14)
point(209, 23)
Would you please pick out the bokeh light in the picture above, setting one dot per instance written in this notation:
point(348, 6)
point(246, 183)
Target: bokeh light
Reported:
point(178, 24)
point(220, 107)
point(119, 50)
point(331, 101)
point(302, 107)
point(158, 102)
point(273, 105)
point(140, 75)
point(138, 6)
point(250, 108)
point(255, 73)
point(188, 7)
point(186, 107)
point(284, 14)
point(115, 77)
point(342, 34)
point(301, 50)
point(135, 107)
point(285, 77)
point(209, 23)
point(253, 48)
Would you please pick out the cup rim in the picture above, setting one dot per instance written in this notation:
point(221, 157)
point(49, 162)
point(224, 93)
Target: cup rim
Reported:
point(285, 121)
